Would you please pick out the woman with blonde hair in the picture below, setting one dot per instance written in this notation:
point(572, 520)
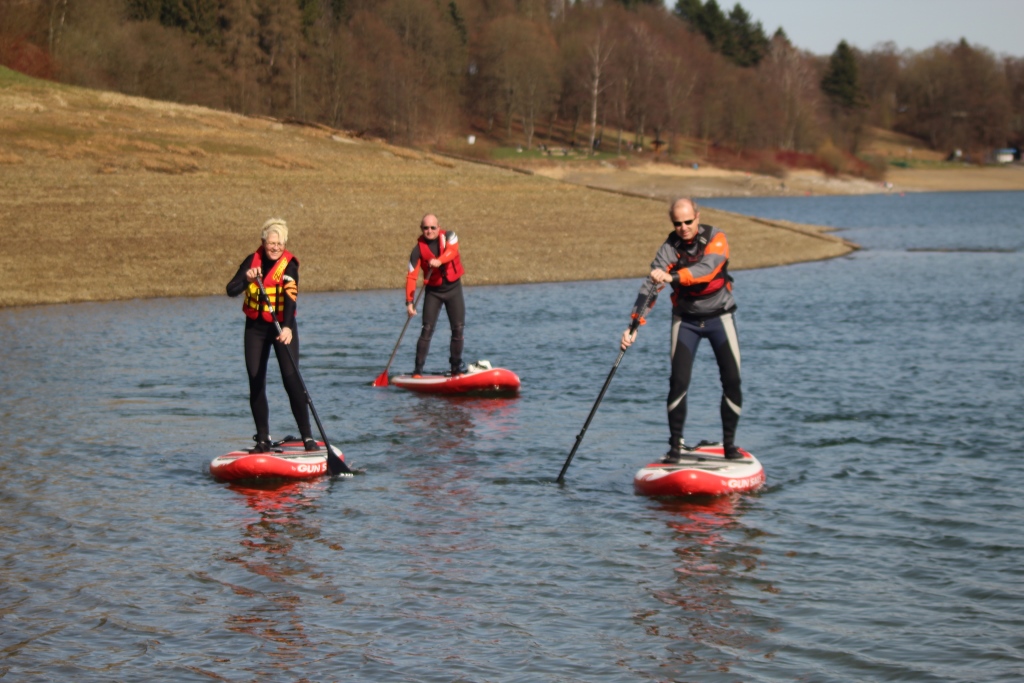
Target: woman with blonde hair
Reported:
point(278, 269)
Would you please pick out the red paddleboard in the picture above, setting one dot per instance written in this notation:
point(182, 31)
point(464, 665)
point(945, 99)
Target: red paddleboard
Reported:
point(704, 471)
point(480, 380)
point(287, 460)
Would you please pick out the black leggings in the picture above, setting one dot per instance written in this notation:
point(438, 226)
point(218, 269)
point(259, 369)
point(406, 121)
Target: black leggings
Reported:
point(455, 306)
point(686, 334)
point(260, 336)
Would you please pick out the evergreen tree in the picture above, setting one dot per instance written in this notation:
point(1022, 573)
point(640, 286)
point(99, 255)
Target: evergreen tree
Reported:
point(840, 82)
point(712, 23)
point(735, 36)
point(689, 10)
point(458, 21)
point(748, 42)
point(195, 17)
point(141, 10)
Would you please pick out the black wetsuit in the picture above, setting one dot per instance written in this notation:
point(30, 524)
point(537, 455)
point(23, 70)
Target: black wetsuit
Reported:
point(259, 337)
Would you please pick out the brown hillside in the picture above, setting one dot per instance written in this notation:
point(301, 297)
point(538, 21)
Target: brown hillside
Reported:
point(115, 197)
point(897, 146)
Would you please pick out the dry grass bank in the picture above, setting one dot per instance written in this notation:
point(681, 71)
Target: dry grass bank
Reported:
point(114, 197)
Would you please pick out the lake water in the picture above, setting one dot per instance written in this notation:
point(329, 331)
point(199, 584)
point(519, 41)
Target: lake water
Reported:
point(882, 392)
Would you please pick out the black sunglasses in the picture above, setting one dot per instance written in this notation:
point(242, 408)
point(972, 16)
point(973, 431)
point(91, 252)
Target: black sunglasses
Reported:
point(424, 228)
point(681, 223)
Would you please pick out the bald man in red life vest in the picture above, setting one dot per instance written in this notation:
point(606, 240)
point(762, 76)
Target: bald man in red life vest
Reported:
point(694, 261)
point(437, 254)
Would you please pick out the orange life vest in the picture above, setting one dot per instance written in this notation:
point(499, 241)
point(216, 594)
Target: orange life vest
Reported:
point(452, 270)
point(274, 283)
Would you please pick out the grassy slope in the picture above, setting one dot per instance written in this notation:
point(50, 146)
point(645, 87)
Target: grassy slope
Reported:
point(114, 197)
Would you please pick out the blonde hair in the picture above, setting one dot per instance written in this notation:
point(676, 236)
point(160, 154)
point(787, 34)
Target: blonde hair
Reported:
point(275, 225)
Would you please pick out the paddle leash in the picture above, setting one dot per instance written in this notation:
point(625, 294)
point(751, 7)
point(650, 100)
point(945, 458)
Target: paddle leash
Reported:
point(382, 378)
point(335, 465)
point(637, 321)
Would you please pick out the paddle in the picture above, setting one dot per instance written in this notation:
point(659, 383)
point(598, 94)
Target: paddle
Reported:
point(579, 437)
point(382, 378)
point(335, 465)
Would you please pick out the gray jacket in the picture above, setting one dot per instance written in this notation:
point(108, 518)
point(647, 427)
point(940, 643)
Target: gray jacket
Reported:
point(701, 285)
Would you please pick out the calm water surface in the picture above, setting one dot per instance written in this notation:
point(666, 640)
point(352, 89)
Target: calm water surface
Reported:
point(882, 392)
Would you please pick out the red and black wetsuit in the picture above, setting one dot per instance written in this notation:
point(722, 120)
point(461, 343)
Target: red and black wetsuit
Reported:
point(261, 334)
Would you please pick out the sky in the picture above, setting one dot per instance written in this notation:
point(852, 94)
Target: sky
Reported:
point(819, 25)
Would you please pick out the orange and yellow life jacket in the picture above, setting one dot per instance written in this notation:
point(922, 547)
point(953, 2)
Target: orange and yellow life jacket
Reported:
point(276, 288)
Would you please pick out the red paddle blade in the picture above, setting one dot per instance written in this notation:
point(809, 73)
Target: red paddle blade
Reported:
point(382, 380)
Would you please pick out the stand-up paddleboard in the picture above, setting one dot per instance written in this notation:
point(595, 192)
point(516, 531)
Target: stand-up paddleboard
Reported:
point(704, 471)
point(287, 459)
point(480, 379)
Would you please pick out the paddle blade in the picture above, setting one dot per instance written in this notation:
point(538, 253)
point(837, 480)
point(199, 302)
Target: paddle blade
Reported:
point(382, 380)
point(335, 465)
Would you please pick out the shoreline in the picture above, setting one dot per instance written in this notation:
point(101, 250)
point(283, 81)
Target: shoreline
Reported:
point(125, 198)
point(667, 181)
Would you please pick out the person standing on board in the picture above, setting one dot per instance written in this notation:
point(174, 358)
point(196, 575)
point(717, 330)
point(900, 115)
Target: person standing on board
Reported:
point(437, 254)
point(279, 270)
point(694, 260)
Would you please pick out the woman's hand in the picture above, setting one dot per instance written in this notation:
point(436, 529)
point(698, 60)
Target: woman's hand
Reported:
point(286, 335)
point(410, 308)
point(254, 274)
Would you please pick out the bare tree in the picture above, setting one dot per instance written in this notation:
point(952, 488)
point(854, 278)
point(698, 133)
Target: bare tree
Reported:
point(520, 62)
point(58, 16)
point(955, 95)
point(598, 53)
point(790, 81)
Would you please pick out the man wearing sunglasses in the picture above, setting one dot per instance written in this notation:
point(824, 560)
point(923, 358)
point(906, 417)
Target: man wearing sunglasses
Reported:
point(437, 254)
point(694, 262)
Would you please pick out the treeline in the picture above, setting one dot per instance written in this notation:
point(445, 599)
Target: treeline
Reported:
point(422, 71)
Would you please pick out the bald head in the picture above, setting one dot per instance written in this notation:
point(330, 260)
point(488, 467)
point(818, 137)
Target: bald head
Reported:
point(428, 226)
point(680, 203)
point(685, 218)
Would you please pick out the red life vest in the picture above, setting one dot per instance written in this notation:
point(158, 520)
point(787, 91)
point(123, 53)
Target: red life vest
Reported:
point(452, 270)
point(273, 282)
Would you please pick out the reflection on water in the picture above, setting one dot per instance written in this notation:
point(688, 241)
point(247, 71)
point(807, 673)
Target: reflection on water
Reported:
point(703, 620)
point(445, 423)
point(283, 518)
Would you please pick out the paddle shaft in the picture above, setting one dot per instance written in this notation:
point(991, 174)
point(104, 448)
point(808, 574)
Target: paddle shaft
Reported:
point(600, 397)
point(622, 352)
point(408, 319)
point(335, 465)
